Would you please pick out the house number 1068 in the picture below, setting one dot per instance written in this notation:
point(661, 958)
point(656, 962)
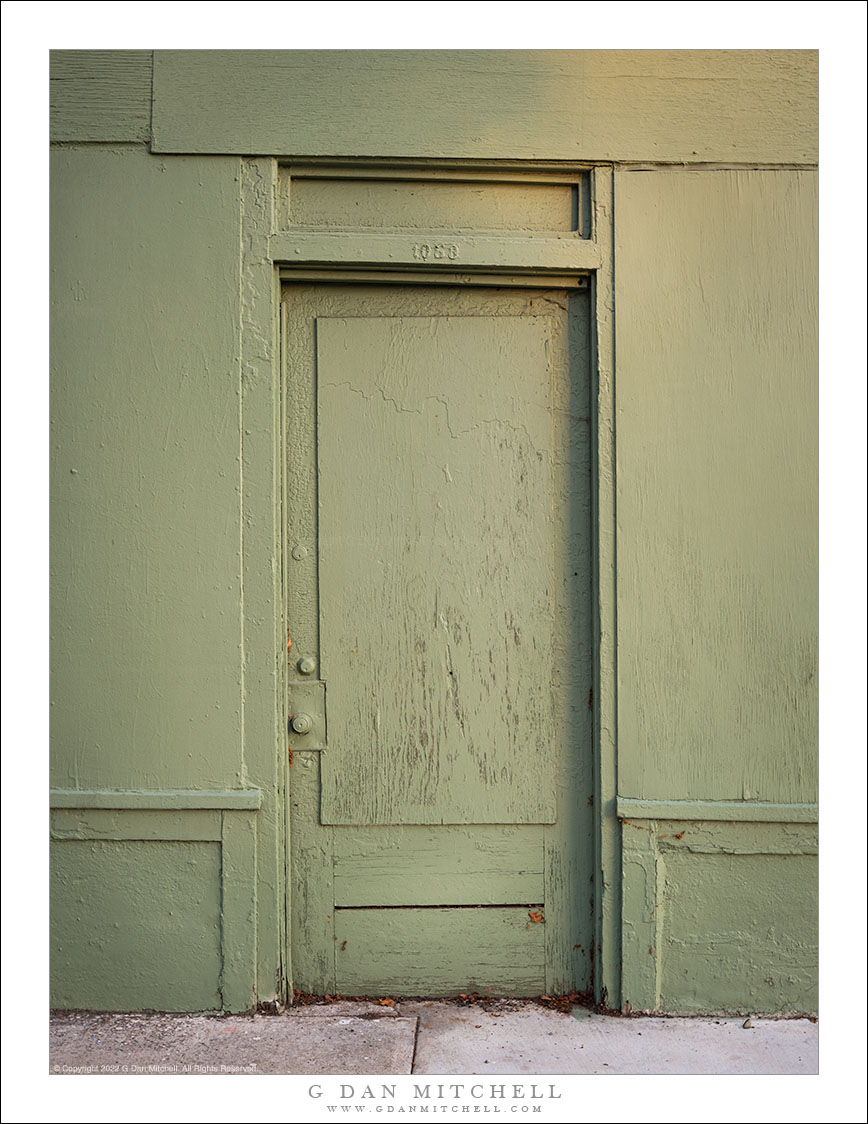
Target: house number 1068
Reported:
point(437, 251)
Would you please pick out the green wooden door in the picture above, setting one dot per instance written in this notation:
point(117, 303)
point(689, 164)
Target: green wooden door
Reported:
point(438, 515)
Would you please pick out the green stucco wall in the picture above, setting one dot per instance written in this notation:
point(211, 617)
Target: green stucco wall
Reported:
point(716, 344)
point(145, 448)
point(147, 913)
point(168, 649)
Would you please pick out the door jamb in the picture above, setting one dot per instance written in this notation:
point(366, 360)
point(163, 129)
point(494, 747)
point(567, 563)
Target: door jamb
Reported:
point(270, 255)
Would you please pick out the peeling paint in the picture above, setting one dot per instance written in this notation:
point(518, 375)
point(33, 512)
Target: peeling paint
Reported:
point(705, 615)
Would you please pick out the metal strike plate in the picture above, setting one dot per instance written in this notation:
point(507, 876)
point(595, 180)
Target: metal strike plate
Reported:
point(308, 699)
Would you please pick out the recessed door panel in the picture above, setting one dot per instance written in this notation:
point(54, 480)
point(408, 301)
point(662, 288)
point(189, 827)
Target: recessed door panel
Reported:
point(436, 568)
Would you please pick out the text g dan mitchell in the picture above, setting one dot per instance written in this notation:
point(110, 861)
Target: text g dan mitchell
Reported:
point(480, 1091)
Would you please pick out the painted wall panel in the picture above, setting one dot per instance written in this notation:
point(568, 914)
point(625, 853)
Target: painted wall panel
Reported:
point(716, 472)
point(145, 443)
point(719, 916)
point(135, 925)
point(519, 105)
point(739, 933)
point(101, 95)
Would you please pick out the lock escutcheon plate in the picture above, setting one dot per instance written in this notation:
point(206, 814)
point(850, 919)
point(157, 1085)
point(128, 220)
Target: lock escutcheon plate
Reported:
point(307, 699)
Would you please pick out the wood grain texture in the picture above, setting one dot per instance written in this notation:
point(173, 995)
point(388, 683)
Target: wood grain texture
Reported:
point(439, 951)
point(436, 568)
point(409, 204)
point(311, 874)
point(311, 868)
point(100, 96)
point(717, 485)
point(481, 865)
point(569, 841)
point(533, 105)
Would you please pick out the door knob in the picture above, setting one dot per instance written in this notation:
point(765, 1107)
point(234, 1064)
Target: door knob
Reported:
point(301, 723)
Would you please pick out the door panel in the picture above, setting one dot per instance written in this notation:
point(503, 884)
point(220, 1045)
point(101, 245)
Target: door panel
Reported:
point(479, 865)
point(492, 950)
point(438, 512)
point(436, 571)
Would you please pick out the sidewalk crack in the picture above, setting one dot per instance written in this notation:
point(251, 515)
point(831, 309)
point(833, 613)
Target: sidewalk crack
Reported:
point(415, 1045)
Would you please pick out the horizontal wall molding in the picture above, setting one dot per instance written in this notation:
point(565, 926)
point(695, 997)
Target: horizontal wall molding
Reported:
point(743, 810)
point(243, 799)
point(435, 249)
point(574, 105)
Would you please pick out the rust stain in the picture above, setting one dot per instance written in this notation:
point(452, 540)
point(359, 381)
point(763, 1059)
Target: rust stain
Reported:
point(387, 1002)
point(535, 916)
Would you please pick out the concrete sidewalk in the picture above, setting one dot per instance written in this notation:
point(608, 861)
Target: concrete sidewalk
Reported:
point(431, 1036)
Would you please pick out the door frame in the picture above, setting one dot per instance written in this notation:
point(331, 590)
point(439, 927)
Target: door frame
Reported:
point(271, 255)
